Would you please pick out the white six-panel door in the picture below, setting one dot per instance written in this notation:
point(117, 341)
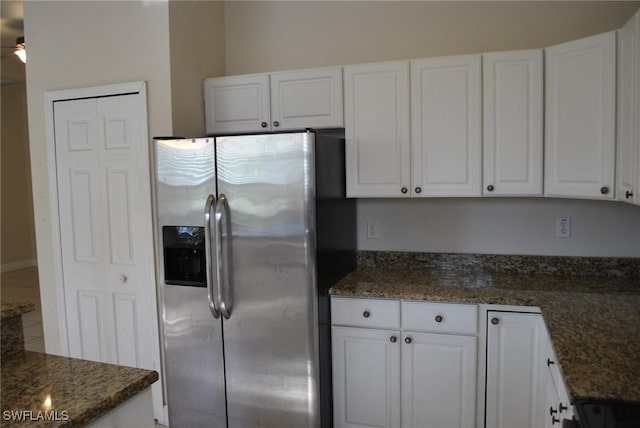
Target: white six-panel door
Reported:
point(106, 232)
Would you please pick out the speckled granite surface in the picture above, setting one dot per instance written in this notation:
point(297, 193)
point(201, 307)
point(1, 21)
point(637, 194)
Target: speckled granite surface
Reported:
point(11, 332)
point(13, 309)
point(496, 263)
point(85, 389)
point(594, 322)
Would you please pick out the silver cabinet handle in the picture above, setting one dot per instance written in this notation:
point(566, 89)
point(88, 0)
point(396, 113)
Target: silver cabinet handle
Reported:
point(213, 307)
point(224, 300)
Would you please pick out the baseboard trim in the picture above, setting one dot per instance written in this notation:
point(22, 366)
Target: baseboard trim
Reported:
point(20, 264)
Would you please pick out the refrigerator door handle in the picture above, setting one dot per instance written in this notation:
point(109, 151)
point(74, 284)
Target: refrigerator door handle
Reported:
point(224, 300)
point(213, 306)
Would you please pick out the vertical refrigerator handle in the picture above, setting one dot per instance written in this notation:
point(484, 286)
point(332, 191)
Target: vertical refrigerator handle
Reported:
point(213, 305)
point(224, 299)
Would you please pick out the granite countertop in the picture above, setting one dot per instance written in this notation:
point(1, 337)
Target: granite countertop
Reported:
point(594, 322)
point(12, 309)
point(76, 392)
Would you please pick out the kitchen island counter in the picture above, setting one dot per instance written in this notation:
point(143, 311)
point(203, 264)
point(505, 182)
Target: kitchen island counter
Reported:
point(41, 390)
point(593, 321)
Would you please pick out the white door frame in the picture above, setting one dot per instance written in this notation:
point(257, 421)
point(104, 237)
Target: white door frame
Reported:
point(130, 88)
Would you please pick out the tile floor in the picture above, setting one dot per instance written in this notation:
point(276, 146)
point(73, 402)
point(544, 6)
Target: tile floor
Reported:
point(23, 285)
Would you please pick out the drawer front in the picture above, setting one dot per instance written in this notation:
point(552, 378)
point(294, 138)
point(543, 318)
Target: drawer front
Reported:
point(440, 317)
point(365, 312)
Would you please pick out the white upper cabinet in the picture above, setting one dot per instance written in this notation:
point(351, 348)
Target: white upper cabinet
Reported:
point(377, 129)
point(512, 119)
point(306, 99)
point(580, 118)
point(278, 101)
point(446, 136)
point(237, 104)
point(628, 147)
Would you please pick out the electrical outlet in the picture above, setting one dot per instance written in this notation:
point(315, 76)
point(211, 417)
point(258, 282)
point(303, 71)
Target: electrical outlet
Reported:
point(372, 230)
point(563, 227)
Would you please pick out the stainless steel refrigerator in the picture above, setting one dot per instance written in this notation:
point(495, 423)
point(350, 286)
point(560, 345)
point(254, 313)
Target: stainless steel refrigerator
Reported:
point(252, 230)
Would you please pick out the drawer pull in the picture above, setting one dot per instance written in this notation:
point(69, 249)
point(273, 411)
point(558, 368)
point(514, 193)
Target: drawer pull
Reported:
point(366, 314)
point(407, 340)
point(439, 318)
point(393, 339)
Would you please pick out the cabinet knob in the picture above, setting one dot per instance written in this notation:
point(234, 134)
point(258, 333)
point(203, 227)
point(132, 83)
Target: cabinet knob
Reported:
point(439, 318)
point(408, 340)
point(366, 314)
point(495, 321)
point(490, 188)
point(123, 279)
point(552, 411)
point(418, 189)
point(276, 123)
point(562, 407)
point(393, 339)
point(604, 190)
point(550, 362)
point(404, 190)
point(628, 194)
point(263, 124)
point(554, 420)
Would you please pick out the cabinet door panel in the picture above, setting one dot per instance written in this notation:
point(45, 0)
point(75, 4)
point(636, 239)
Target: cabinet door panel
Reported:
point(377, 129)
point(307, 99)
point(237, 104)
point(446, 126)
point(515, 377)
point(627, 146)
point(366, 378)
point(512, 144)
point(580, 117)
point(438, 381)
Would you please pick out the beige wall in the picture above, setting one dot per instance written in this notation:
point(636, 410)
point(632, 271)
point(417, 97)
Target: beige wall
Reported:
point(17, 235)
point(268, 36)
point(79, 44)
point(197, 51)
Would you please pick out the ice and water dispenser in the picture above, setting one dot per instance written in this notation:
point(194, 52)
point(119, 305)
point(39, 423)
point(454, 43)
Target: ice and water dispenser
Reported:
point(184, 255)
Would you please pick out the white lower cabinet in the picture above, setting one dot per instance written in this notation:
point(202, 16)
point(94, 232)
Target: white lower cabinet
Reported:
point(438, 380)
point(403, 377)
point(515, 370)
point(366, 377)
